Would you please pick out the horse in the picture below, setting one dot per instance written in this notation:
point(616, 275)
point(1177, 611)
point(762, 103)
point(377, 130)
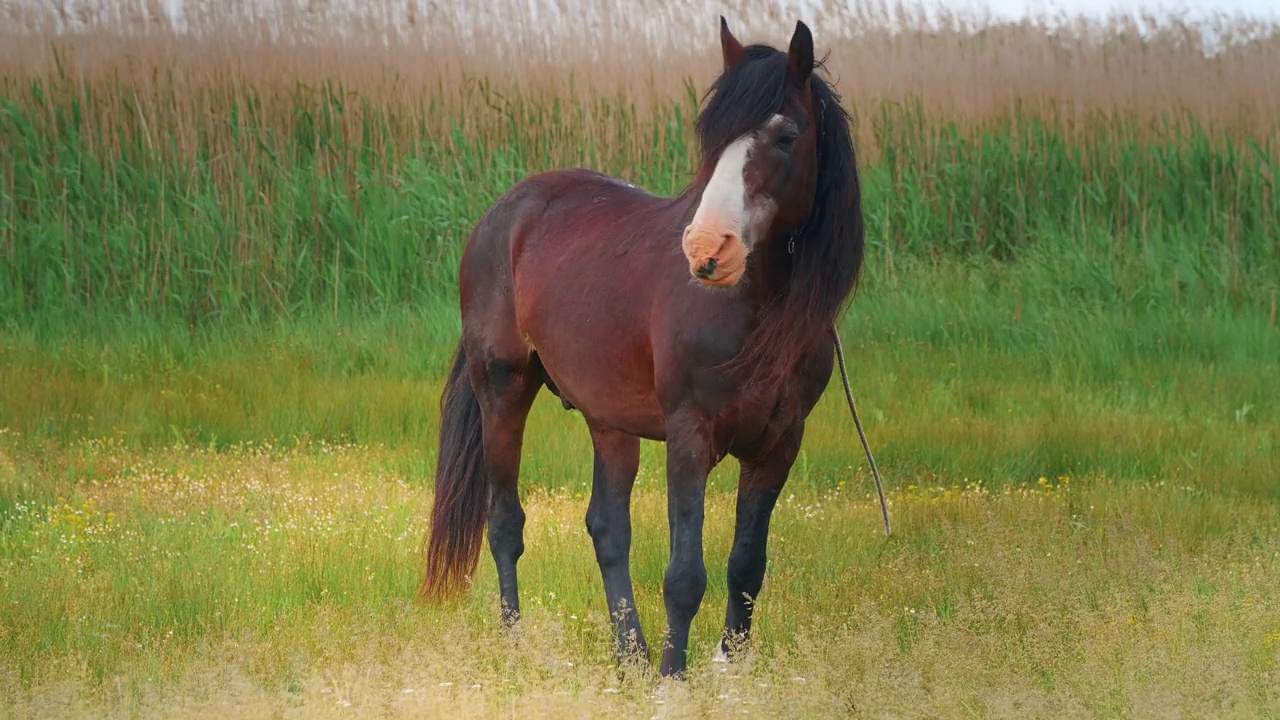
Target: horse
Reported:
point(704, 321)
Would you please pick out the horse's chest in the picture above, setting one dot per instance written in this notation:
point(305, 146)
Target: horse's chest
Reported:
point(753, 424)
point(750, 421)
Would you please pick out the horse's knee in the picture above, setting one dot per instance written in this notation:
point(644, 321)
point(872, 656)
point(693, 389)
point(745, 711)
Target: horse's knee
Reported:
point(683, 588)
point(746, 571)
point(610, 551)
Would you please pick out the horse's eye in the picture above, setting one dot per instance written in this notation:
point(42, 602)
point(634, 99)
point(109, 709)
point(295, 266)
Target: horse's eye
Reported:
point(787, 139)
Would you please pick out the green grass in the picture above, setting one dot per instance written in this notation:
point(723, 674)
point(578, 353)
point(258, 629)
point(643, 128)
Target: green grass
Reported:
point(962, 369)
point(1084, 496)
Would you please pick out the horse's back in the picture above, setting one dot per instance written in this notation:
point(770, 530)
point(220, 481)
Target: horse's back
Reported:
point(549, 206)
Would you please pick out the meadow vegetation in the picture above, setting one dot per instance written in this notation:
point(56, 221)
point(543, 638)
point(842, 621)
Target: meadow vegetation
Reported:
point(228, 297)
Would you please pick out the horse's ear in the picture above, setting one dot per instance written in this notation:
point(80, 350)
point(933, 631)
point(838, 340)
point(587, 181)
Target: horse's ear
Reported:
point(732, 50)
point(800, 54)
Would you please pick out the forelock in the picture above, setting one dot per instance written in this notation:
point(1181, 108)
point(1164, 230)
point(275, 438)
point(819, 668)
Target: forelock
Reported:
point(743, 98)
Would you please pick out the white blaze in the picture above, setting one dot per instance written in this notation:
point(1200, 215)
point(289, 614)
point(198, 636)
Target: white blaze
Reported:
point(725, 197)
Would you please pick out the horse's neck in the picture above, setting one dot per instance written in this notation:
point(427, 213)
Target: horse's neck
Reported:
point(767, 276)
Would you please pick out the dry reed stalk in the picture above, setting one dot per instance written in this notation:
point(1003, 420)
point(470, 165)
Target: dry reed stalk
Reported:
point(431, 69)
point(960, 67)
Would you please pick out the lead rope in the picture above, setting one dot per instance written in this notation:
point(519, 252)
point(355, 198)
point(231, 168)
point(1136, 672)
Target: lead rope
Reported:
point(848, 394)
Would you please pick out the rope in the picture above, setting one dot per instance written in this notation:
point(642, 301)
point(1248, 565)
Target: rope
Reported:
point(848, 394)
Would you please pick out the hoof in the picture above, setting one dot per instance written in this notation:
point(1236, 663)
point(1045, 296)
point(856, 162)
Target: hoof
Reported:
point(721, 656)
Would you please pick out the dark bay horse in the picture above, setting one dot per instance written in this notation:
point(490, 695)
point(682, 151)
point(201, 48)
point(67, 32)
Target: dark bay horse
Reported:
point(703, 320)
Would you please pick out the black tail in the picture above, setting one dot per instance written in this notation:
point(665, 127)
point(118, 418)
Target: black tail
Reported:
point(462, 490)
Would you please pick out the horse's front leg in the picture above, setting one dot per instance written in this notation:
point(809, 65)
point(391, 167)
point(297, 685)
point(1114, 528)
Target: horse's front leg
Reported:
point(759, 486)
point(690, 457)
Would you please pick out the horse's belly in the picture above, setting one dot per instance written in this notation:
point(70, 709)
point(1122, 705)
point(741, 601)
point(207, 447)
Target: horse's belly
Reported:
point(593, 345)
point(611, 388)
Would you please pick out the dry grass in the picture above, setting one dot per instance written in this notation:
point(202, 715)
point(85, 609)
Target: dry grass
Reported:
point(285, 579)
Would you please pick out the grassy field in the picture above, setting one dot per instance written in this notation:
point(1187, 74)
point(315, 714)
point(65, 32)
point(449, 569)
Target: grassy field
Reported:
point(265, 582)
point(227, 299)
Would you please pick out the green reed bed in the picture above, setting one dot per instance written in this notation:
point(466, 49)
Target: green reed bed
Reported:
point(237, 203)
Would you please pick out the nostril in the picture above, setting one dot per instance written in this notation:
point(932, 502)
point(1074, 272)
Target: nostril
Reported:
point(707, 268)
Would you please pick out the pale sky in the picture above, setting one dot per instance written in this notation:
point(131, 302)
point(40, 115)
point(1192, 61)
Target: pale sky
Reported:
point(1194, 9)
point(1193, 12)
point(1191, 9)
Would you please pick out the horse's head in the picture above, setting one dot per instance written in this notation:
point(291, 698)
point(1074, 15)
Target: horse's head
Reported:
point(759, 143)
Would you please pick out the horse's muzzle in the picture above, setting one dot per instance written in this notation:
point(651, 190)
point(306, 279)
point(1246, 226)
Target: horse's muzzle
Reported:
point(716, 257)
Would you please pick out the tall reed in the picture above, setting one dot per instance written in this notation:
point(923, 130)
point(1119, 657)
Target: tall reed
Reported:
point(217, 177)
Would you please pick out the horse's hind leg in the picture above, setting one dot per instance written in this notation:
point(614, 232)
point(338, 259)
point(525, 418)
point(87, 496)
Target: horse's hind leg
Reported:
point(505, 388)
point(617, 459)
